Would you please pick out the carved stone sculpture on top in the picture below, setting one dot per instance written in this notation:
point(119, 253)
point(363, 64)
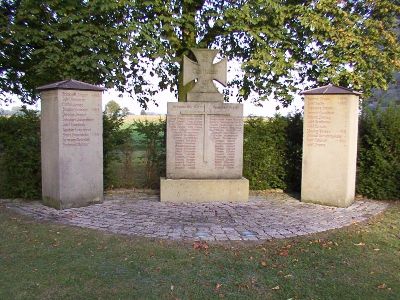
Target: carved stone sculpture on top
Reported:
point(205, 72)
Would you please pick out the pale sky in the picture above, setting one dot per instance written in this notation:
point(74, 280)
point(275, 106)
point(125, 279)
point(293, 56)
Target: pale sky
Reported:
point(268, 109)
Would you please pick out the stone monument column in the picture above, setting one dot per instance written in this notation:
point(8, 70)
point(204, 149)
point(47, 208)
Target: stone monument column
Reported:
point(329, 146)
point(204, 139)
point(71, 144)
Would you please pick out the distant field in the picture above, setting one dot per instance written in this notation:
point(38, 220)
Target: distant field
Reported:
point(151, 118)
point(131, 118)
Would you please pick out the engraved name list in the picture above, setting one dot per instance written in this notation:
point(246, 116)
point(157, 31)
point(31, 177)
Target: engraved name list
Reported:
point(78, 118)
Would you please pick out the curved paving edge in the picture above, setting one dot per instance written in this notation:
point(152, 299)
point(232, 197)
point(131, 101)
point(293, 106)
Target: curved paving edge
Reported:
point(268, 217)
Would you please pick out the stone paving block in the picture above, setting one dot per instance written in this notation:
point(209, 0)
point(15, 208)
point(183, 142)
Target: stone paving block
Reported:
point(259, 219)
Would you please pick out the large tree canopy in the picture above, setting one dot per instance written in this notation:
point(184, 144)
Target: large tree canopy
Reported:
point(47, 41)
point(283, 45)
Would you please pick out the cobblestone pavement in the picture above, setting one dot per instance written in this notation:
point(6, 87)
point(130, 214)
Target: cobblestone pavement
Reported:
point(264, 217)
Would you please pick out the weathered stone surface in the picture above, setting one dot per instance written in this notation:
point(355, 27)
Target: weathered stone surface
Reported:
point(72, 147)
point(205, 72)
point(329, 148)
point(204, 190)
point(204, 140)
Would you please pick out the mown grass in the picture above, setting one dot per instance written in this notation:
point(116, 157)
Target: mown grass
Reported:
point(46, 261)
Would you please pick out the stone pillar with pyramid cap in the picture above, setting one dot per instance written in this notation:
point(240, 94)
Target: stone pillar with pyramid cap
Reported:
point(204, 139)
point(329, 145)
point(71, 144)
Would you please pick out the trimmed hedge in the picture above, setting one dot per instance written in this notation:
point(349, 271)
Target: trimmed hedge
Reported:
point(20, 169)
point(272, 153)
point(378, 173)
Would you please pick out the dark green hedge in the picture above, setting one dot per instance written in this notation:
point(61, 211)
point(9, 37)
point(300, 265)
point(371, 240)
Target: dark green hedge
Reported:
point(378, 173)
point(20, 170)
point(272, 153)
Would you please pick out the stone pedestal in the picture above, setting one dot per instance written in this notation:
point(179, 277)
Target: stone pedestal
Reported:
point(71, 144)
point(329, 146)
point(204, 190)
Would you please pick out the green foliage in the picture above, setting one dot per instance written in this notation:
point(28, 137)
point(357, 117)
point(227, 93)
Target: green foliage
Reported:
point(280, 44)
point(379, 154)
point(46, 41)
point(20, 170)
point(116, 139)
point(264, 148)
point(153, 135)
point(272, 152)
point(294, 151)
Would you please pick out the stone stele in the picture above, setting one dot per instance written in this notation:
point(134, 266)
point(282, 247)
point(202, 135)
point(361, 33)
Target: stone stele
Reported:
point(329, 146)
point(204, 139)
point(71, 144)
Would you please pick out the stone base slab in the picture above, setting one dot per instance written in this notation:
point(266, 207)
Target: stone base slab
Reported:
point(337, 201)
point(204, 190)
point(72, 203)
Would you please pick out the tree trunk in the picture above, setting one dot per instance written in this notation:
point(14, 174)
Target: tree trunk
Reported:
point(189, 9)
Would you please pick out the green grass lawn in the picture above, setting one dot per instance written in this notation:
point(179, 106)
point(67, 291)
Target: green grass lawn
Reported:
point(44, 261)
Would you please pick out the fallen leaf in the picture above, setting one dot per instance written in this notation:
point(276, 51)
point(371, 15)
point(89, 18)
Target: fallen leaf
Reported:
point(377, 249)
point(172, 287)
point(382, 286)
point(217, 287)
point(284, 253)
point(264, 263)
point(276, 288)
point(359, 244)
point(200, 245)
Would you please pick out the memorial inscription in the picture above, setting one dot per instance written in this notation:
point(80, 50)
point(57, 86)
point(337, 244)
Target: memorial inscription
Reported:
point(78, 117)
point(204, 140)
point(224, 132)
point(325, 123)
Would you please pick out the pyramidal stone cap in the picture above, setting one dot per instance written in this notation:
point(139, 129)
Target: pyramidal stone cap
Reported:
point(70, 84)
point(330, 89)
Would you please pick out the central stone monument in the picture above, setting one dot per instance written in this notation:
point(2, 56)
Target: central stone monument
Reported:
point(204, 139)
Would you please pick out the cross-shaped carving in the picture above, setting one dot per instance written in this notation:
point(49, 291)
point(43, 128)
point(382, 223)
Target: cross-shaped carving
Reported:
point(205, 72)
